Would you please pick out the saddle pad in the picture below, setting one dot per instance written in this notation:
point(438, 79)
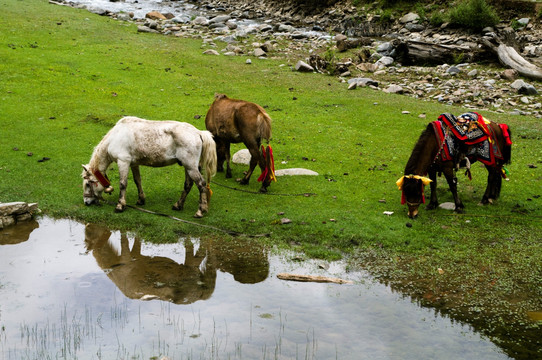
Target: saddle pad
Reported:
point(469, 128)
point(485, 151)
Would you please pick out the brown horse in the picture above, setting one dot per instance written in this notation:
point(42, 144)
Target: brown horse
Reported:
point(428, 158)
point(235, 121)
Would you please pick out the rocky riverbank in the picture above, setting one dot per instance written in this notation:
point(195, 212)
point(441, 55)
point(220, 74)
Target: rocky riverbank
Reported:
point(315, 41)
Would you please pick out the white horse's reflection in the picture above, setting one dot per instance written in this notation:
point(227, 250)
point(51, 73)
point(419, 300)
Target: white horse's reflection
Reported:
point(146, 277)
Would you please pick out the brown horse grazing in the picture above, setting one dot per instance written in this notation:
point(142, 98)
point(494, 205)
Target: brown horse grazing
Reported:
point(235, 121)
point(438, 150)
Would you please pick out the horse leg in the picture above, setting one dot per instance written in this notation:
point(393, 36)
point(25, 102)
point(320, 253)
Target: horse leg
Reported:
point(204, 193)
point(433, 202)
point(227, 156)
point(188, 182)
point(493, 188)
point(137, 180)
point(452, 183)
point(256, 158)
point(124, 168)
point(220, 154)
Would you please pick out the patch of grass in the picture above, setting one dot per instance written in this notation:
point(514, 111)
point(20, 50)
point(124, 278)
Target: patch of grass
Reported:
point(68, 76)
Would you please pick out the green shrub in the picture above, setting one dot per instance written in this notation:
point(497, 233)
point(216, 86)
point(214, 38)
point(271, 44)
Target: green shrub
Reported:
point(386, 17)
point(437, 19)
point(473, 14)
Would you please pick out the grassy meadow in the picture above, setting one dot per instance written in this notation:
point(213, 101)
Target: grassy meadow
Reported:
point(66, 77)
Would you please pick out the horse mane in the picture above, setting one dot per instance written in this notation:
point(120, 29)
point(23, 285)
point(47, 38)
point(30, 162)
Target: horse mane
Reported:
point(419, 150)
point(99, 152)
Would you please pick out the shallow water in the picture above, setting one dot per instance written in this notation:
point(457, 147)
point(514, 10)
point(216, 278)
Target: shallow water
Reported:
point(73, 291)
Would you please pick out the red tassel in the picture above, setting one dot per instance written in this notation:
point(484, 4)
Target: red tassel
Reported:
point(506, 134)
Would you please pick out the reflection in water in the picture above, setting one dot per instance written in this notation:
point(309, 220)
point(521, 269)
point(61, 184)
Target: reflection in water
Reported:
point(147, 277)
point(74, 292)
point(17, 234)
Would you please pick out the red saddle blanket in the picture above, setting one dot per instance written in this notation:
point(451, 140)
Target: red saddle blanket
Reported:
point(472, 130)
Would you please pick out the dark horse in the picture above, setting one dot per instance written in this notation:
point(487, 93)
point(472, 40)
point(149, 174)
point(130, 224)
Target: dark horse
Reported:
point(428, 157)
point(235, 121)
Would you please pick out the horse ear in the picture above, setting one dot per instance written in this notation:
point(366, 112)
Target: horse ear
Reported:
point(85, 167)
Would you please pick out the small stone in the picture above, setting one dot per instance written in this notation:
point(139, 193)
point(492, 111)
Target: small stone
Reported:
point(285, 221)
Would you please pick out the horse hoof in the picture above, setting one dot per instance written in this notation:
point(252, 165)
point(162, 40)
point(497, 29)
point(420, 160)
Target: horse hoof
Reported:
point(198, 214)
point(119, 209)
point(140, 202)
point(263, 190)
point(243, 181)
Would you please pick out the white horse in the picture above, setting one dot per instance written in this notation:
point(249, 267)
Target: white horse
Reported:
point(134, 141)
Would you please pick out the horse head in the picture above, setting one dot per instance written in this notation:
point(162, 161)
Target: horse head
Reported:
point(413, 195)
point(94, 184)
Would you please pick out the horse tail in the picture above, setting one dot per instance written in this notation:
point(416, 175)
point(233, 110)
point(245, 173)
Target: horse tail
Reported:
point(208, 155)
point(265, 125)
point(507, 150)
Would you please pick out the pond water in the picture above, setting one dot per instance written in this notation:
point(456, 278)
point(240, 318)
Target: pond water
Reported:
point(74, 291)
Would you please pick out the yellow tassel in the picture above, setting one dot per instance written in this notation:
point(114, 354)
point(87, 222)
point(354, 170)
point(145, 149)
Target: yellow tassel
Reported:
point(210, 191)
point(425, 180)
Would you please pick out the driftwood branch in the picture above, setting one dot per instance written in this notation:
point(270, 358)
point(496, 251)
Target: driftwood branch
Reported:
point(508, 56)
point(311, 278)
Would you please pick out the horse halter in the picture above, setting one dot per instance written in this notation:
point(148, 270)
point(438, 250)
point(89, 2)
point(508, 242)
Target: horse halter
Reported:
point(424, 181)
point(90, 191)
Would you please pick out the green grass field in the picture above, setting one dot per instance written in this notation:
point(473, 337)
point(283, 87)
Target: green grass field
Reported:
point(68, 75)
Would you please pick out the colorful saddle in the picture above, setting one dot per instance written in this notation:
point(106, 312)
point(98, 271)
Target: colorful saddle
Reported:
point(468, 135)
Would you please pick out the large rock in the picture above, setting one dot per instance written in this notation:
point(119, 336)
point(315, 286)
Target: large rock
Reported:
point(241, 157)
point(13, 208)
point(295, 171)
point(155, 15)
point(211, 52)
point(303, 67)
point(200, 20)
point(13, 212)
point(220, 19)
point(410, 17)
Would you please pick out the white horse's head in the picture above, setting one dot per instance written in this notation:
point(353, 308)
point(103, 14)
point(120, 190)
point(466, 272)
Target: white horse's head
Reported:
point(92, 187)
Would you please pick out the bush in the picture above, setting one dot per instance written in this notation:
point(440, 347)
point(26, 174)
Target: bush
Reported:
point(473, 14)
point(437, 19)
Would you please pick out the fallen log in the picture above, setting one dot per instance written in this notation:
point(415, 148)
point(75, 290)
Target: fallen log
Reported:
point(508, 56)
point(415, 52)
point(312, 278)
